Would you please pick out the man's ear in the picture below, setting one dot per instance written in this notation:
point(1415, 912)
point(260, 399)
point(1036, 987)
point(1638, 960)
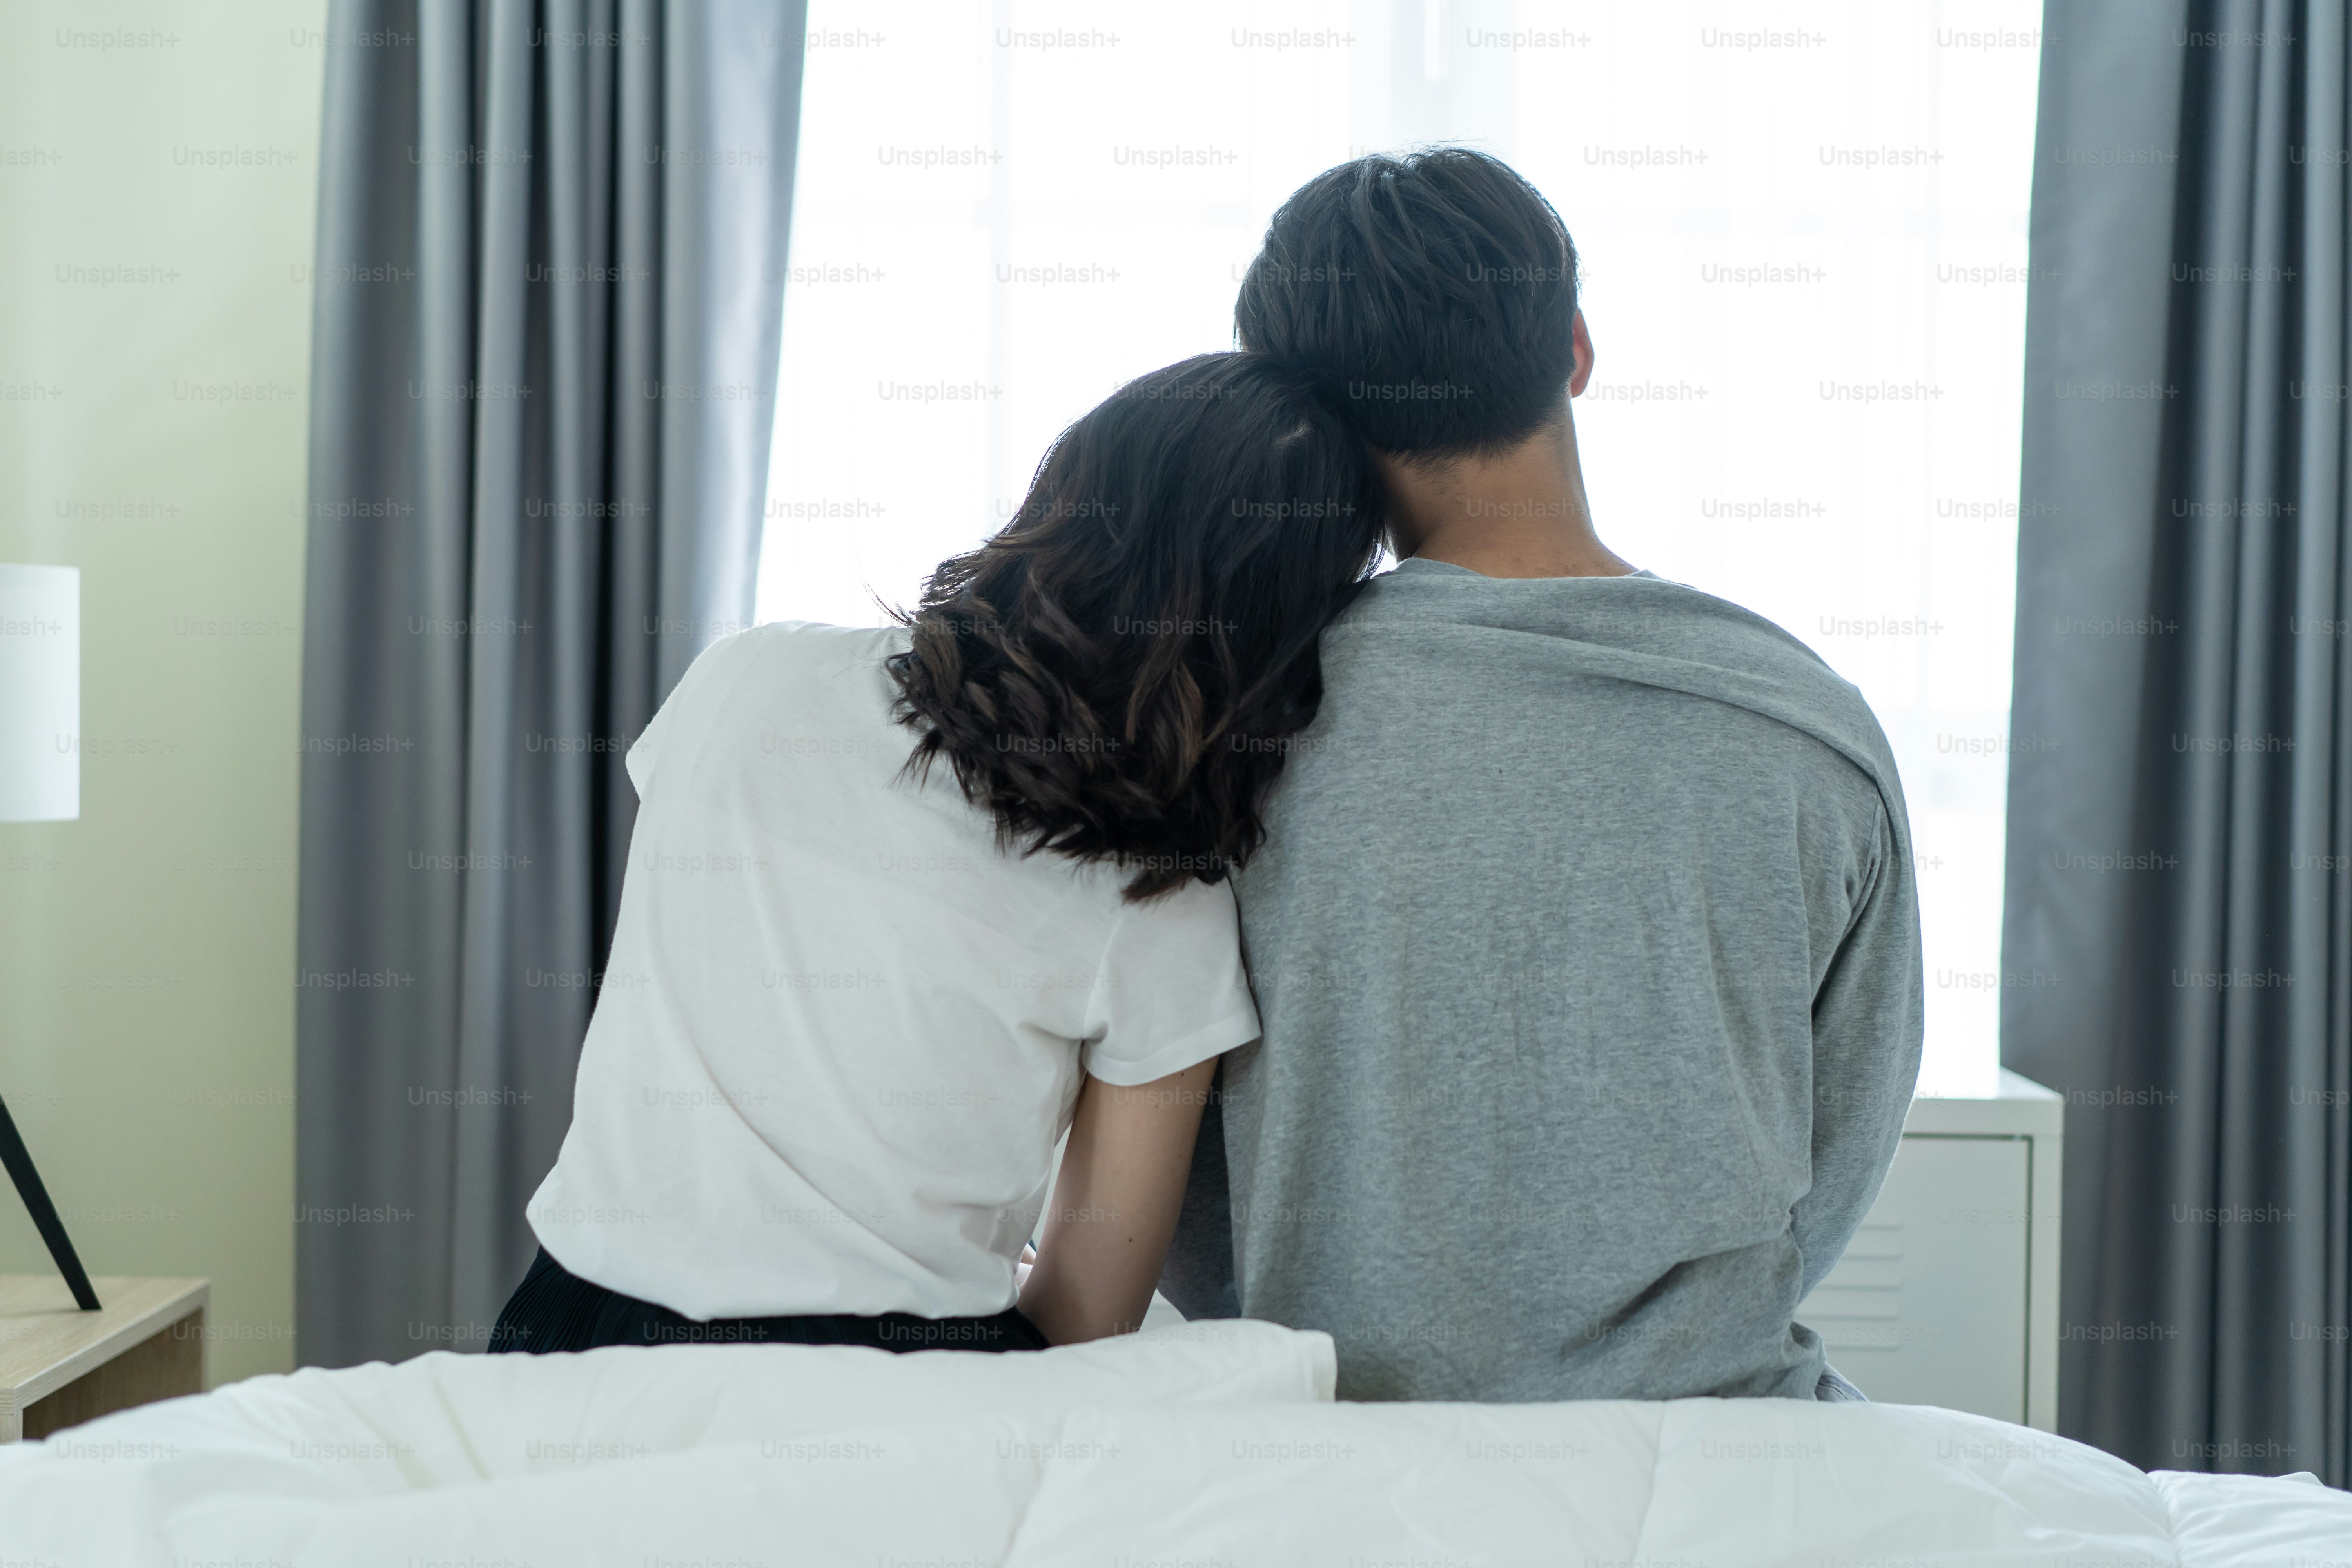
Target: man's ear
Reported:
point(1583, 371)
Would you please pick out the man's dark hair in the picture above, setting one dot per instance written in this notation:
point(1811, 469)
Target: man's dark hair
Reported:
point(1430, 296)
point(1119, 674)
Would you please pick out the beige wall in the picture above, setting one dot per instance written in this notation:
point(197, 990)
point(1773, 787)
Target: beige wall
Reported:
point(147, 950)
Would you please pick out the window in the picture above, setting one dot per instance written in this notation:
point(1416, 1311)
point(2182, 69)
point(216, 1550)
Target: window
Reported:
point(1802, 230)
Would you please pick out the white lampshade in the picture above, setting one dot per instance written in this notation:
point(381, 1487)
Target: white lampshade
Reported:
point(40, 693)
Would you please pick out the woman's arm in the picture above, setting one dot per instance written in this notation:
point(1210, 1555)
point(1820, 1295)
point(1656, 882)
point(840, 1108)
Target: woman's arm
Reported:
point(1114, 1205)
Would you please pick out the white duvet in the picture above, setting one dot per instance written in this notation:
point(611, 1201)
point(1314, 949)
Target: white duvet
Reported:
point(1201, 1446)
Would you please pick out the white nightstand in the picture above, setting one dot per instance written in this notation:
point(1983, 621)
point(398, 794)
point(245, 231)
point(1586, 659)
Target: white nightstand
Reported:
point(1948, 1294)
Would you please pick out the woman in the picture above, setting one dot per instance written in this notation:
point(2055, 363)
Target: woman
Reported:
point(856, 993)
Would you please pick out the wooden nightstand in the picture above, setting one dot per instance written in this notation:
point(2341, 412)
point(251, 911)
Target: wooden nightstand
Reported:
point(60, 1366)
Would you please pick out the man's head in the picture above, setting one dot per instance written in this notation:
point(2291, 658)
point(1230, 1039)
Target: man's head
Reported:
point(1432, 297)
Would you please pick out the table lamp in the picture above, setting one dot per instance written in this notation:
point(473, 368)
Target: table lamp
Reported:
point(40, 781)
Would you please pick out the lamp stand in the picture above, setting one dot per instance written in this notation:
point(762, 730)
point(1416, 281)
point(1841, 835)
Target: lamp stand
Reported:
point(19, 1160)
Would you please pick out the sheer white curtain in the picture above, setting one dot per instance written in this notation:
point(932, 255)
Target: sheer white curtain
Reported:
point(1803, 237)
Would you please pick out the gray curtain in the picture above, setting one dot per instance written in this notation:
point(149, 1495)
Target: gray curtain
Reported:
point(2178, 939)
point(549, 291)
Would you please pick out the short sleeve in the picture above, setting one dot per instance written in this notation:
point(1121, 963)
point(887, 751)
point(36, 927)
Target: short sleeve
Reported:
point(1171, 991)
point(661, 730)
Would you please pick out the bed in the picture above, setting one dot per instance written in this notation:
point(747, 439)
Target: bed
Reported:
point(1191, 1446)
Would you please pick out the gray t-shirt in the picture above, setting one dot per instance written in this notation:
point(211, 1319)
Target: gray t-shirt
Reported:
point(1587, 948)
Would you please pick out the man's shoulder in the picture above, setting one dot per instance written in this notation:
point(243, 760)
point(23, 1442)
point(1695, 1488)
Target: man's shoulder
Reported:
point(1427, 642)
point(1617, 624)
point(1437, 594)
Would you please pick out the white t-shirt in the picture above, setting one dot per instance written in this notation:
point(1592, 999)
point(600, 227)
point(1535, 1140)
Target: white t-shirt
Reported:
point(841, 1031)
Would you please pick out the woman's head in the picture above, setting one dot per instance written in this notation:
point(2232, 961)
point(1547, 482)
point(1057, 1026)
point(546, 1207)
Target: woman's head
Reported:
point(1117, 675)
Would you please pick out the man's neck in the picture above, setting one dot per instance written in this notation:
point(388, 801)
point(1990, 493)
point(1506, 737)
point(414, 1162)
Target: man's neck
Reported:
point(1520, 514)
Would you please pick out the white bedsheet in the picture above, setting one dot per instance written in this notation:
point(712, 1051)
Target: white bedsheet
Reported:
point(1201, 1446)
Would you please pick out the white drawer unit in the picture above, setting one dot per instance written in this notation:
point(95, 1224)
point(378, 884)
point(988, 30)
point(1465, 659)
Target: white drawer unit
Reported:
point(1948, 1294)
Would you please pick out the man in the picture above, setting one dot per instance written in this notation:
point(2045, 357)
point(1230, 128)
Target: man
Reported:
point(1585, 937)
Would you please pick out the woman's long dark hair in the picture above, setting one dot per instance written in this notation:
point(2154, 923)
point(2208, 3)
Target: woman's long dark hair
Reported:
point(1119, 674)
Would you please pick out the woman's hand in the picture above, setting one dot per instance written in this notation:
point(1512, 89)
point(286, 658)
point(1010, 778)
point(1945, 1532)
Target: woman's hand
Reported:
point(1114, 1205)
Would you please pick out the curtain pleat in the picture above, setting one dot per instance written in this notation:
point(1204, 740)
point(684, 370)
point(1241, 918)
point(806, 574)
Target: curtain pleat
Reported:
point(2180, 834)
point(548, 230)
